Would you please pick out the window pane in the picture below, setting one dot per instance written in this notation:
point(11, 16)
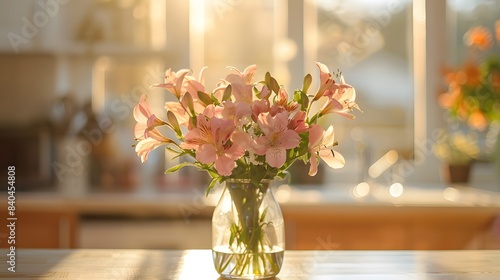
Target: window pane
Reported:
point(466, 14)
point(239, 34)
point(370, 42)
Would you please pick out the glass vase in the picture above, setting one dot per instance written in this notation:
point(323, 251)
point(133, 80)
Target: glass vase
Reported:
point(248, 231)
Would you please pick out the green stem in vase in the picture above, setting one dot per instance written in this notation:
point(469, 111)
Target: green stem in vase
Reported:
point(248, 234)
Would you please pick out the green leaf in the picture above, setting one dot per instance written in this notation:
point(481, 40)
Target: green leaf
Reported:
point(205, 98)
point(307, 83)
point(211, 185)
point(179, 166)
point(213, 174)
point(233, 234)
point(305, 160)
point(173, 150)
point(303, 144)
point(263, 215)
point(227, 93)
point(304, 101)
point(296, 96)
point(274, 86)
point(257, 173)
point(256, 92)
point(183, 153)
point(268, 78)
point(172, 119)
point(188, 100)
point(314, 119)
point(215, 101)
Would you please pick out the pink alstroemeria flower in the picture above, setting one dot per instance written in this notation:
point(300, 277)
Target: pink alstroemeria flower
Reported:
point(326, 81)
point(341, 101)
point(174, 82)
point(281, 104)
point(258, 107)
point(179, 112)
point(146, 120)
point(235, 111)
point(298, 122)
point(153, 141)
point(219, 89)
point(216, 141)
point(320, 146)
point(265, 92)
point(242, 83)
point(277, 138)
point(193, 85)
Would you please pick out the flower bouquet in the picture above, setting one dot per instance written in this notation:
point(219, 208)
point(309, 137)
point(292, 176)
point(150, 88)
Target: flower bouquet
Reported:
point(245, 134)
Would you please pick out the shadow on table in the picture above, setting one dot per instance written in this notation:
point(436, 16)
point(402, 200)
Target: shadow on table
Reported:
point(35, 263)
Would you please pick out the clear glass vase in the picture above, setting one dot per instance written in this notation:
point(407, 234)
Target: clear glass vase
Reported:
point(248, 231)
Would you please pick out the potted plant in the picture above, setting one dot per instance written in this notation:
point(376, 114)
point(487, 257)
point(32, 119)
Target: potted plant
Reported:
point(457, 150)
point(473, 92)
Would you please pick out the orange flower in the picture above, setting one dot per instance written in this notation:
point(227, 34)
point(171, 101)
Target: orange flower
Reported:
point(448, 99)
point(472, 73)
point(478, 37)
point(477, 120)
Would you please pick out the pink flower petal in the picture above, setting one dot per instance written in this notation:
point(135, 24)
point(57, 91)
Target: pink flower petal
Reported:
point(241, 91)
point(328, 137)
point(280, 122)
point(235, 152)
point(261, 145)
point(249, 73)
point(276, 157)
point(141, 110)
point(139, 130)
point(242, 110)
point(315, 136)
point(155, 134)
point(241, 139)
point(264, 122)
point(288, 140)
point(313, 165)
point(154, 121)
point(193, 139)
point(347, 115)
point(221, 130)
point(298, 122)
point(332, 158)
point(324, 72)
point(206, 154)
point(224, 165)
point(144, 147)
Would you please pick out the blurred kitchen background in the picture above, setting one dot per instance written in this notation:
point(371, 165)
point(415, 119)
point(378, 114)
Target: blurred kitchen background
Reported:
point(72, 71)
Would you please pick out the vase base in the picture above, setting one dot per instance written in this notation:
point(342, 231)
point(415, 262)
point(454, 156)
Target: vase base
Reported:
point(262, 265)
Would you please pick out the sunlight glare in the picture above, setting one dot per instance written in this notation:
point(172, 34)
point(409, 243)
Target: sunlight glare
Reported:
point(396, 190)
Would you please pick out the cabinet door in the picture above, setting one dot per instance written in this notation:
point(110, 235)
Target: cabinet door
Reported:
point(391, 228)
point(39, 229)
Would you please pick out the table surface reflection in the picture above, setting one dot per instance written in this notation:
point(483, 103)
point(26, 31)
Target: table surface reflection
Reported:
point(197, 264)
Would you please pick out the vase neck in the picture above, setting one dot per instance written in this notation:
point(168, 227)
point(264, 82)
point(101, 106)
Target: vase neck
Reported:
point(246, 184)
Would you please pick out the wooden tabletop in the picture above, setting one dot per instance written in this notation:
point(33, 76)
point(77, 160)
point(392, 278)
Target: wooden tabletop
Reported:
point(197, 264)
